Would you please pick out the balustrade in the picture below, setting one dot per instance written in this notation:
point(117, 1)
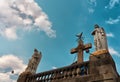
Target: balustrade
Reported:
point(72, 71)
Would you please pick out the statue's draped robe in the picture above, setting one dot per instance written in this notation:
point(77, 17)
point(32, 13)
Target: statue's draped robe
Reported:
point(100, 39)
point(33, 63)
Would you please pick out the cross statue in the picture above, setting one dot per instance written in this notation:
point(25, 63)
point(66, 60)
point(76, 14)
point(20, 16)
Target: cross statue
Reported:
point(80, 48)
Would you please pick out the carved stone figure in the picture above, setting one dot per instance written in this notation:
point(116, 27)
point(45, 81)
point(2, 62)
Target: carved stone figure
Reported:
point(99, 38)
point(33, 62)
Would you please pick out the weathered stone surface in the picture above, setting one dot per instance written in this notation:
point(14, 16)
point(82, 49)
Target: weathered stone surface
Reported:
point(99, 70)
point(80, 49)
point(23, 76)
point(32, 66)
point(100, 67)
point(100, 40)
point(33, 62)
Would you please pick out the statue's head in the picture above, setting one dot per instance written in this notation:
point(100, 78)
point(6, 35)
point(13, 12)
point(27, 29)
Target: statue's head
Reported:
point(96, 26)
point(35, 50)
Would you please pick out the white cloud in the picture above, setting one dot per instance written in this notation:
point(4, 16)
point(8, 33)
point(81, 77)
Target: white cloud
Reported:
point(93, 2)
point(92, 5)
point(5, 78)
point(114, 52)
point(112, 3)
point(110, 35)
point(25, 15)
point(9, 33)
point(54, 67)
point(91, 10)
point(7, 64)
point(113, 21)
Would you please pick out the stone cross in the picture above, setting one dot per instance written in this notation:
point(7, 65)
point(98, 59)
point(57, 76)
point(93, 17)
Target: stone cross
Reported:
point(80, 49)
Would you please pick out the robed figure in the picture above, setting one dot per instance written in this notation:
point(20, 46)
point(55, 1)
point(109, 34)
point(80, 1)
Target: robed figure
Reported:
point(33, 62)
point(100, 40)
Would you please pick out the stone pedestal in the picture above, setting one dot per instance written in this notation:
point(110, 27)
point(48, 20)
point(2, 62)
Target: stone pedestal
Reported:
point(23, 76)
point(103, 65)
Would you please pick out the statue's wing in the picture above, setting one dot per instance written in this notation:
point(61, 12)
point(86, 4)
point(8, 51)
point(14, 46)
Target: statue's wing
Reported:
point(80, 35)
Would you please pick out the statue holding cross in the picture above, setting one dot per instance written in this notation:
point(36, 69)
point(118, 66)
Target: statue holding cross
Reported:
point(80, 48)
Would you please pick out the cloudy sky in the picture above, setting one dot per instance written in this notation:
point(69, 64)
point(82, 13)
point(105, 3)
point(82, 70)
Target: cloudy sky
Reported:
point(51, 26)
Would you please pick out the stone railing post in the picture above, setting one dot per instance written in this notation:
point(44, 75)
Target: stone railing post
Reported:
point(78, 71)
point(65, 74)
point(73, 72)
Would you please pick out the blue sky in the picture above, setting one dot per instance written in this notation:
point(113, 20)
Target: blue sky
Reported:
point(51, 26)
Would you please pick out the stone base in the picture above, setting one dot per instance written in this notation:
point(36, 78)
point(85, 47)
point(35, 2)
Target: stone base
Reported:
point(22, 77)
point(101, 68)
point(90, 78)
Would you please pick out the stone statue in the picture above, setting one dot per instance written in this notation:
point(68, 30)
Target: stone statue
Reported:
point(99, 38)
point(33, 62)
point(32, 66)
